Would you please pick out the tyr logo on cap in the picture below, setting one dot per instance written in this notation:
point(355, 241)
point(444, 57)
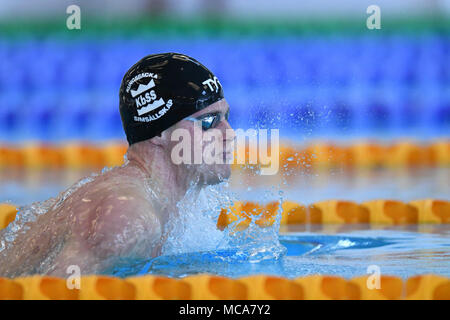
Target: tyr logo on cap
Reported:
point(211, 82)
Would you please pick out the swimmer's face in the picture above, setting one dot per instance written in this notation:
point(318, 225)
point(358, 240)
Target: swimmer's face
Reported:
point(212, 138)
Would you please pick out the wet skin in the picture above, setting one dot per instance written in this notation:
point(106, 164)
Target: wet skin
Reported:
point(112, 217)
point(109, 217)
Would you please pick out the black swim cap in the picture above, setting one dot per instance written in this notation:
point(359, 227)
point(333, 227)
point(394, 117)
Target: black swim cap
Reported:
point(162, 89)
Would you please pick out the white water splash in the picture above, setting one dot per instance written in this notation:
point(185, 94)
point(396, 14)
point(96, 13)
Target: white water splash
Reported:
point(195, 230)
point(342, 244)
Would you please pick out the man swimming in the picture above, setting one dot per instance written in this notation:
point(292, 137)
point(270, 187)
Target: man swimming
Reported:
point(122, 212)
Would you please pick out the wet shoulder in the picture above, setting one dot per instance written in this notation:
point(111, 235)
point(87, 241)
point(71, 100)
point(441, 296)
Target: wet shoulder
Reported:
point(110, 208)
point(102, 195)
point(110, 186)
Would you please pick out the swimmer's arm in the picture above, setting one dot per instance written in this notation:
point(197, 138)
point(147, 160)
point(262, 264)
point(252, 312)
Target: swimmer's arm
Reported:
point(124, 226)
point(113, 229)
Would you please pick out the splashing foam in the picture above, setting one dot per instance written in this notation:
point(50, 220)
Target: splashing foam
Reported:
point(195, 229)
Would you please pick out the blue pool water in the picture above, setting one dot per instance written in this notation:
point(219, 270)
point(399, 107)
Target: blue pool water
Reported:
point(395, 251)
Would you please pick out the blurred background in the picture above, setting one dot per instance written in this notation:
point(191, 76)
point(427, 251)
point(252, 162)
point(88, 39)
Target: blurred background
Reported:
point(310, 68)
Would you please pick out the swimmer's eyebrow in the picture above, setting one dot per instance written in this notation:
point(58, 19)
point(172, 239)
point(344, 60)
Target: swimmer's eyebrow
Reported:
point(215, 111)
point(220, 111)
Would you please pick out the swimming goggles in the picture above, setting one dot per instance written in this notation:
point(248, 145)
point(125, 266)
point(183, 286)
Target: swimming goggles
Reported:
point(209, 120)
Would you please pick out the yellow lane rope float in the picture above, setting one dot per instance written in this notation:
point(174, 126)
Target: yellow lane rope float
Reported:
point(292, 158)
point(383, 212)
point(212, 287)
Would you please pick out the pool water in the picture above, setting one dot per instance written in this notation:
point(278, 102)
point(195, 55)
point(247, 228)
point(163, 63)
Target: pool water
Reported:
point(395, 251)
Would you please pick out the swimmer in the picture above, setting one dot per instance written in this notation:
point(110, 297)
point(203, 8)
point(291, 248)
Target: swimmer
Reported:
point(122, 212)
